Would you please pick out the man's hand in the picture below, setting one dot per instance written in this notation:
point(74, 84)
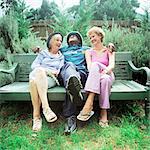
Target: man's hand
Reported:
point(111, 47)
point(37, 49)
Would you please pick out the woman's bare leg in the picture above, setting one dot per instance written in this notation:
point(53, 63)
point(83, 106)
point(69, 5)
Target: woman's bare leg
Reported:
point(42, 86)
point(89, 103)
point(103, 121)
point(36, 102)
point(103, 115)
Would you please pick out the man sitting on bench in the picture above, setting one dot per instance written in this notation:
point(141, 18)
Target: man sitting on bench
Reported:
point(74, 75)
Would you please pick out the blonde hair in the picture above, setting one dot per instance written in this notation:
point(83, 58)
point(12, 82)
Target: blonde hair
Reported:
point(99, 31)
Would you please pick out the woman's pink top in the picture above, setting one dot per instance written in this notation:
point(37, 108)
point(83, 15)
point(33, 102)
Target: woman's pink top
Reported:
point(102, 58)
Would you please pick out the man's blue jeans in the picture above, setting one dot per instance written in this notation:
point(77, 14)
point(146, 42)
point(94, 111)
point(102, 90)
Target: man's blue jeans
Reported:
point(67, 71)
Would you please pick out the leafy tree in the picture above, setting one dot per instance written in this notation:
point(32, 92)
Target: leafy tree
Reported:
point(145, 17)
point(48, 10)
point(18, 9)
point(7, 5)
point(118, 9)
point(62, 23)
point(82, 19)
point(9, 33)
point(77, 18)
point(15, 33)
point(33, 14)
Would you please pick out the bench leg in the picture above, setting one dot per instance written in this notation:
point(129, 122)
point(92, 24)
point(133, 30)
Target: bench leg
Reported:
point(147, 110)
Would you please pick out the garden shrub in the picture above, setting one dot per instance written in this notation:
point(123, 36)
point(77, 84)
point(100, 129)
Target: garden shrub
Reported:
point(9, 32)
point(2, 50)
point(136, 42)
point(5, 79)
point(31, 42)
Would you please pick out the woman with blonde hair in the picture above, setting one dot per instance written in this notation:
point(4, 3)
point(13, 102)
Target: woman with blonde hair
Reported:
point(100, 62)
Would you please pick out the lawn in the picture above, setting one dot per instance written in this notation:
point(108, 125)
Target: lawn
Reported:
point(126, 131)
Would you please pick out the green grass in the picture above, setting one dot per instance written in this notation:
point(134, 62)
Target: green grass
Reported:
point(126, 131)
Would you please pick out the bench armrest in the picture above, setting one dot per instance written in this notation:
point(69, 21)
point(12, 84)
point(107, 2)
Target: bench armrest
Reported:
point(11, 71)
point(141, 69)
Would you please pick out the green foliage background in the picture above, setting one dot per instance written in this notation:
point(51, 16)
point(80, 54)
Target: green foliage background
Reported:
point(118, 9)
point(135, 41)
point(16, 34)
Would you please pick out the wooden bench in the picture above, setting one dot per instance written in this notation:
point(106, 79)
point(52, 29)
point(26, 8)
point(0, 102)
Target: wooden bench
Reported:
point(124, 88)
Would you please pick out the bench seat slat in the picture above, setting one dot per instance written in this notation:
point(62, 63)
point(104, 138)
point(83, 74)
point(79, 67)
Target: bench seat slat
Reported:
point(127, 86)
point(121, 90)
point(118, 86)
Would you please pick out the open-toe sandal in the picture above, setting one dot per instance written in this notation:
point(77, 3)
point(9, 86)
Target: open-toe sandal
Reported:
point(85, 116)
point(37, 124)
point(103, 124)
point(49, 115)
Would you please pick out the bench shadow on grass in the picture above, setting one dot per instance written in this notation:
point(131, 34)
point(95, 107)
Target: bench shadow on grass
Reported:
point(21, 112)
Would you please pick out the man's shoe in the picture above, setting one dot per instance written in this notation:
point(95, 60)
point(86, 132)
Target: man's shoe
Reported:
point(71, 125)
point(74, 88)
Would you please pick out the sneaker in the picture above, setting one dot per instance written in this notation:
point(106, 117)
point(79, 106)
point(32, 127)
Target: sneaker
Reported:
point(74, 88)
point(37, 124)
point(49, 115)
point(71, 125)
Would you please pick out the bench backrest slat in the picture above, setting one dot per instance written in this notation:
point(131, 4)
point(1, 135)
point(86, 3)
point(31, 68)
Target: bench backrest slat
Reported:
point(25, 60)
point(24, 66)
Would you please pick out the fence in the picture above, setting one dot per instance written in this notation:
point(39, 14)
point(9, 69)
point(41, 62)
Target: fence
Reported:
point(42, 27)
